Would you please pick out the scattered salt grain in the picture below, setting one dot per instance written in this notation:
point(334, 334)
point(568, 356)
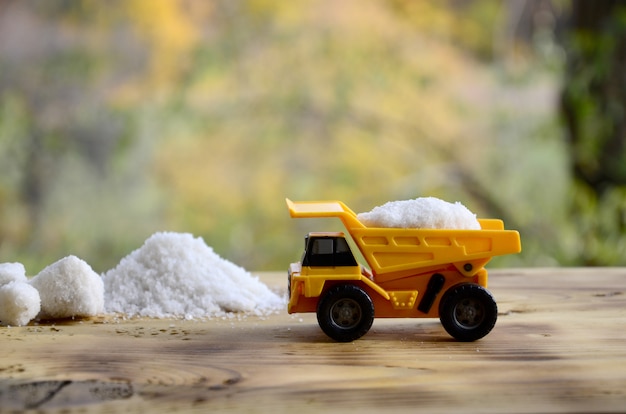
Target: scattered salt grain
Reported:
point(11, 272)
point(177, 275)
point(19, 303)
point(69, 288)
point(421, 213)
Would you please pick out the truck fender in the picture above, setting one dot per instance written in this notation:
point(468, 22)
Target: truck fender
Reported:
point(382, 292)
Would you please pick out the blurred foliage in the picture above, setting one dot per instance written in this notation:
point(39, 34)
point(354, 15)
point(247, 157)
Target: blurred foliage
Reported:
point(467, 24)
point(594, 109)
point(118, 121)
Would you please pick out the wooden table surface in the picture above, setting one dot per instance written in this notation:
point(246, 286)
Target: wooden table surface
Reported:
point(559, 346)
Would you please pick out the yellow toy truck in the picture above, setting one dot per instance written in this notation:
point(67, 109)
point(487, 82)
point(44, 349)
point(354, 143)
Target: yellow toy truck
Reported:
point(413, 273)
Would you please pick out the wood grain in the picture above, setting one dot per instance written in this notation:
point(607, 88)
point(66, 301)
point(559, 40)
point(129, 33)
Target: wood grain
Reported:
point(559, 346)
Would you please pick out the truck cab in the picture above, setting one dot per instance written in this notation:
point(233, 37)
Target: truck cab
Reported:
point(326, 261)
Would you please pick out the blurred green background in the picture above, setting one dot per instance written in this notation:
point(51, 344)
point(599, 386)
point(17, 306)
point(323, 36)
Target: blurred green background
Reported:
point(126, 117)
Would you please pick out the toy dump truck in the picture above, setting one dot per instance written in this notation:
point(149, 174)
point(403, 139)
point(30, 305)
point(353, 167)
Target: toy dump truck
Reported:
point(413, 273)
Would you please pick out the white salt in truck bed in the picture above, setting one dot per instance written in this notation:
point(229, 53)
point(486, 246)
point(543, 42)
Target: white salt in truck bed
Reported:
point(413, 273)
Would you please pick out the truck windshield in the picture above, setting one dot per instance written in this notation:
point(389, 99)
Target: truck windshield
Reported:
point(328, 251)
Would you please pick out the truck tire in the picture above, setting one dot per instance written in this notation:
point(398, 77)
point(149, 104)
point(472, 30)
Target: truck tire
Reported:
point(345, 313)
point(468, 312)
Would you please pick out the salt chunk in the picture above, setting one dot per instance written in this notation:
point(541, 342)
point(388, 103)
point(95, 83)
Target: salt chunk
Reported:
point(421, 213)
point(10, 272)
point(69, 288)
point(178, 275)
point(19, 303)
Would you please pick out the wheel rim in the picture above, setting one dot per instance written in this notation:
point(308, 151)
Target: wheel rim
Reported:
point(469, 312)
point(346, 313)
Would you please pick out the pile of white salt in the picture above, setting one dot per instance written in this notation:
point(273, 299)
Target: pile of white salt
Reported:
point(171, 275)
point(178, 275)
point(67, 288)
point(421, 213)
point(19, 301)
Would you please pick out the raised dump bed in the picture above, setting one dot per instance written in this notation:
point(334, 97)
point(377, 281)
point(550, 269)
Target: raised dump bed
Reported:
point(397, 252)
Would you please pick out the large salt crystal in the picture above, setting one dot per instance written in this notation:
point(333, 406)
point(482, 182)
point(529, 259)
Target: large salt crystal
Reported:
point(177, 275)
point(19, 303)
point(421, 213)
point(69, 288)
point(12, 272)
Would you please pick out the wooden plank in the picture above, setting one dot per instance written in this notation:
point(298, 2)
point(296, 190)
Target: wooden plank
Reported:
point(559, 346)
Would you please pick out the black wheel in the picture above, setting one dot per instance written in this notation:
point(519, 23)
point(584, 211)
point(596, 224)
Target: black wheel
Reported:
point(468, 312)
point(345, 313)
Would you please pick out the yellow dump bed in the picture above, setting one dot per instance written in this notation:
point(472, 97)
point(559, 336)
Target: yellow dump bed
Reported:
point(395, 252)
